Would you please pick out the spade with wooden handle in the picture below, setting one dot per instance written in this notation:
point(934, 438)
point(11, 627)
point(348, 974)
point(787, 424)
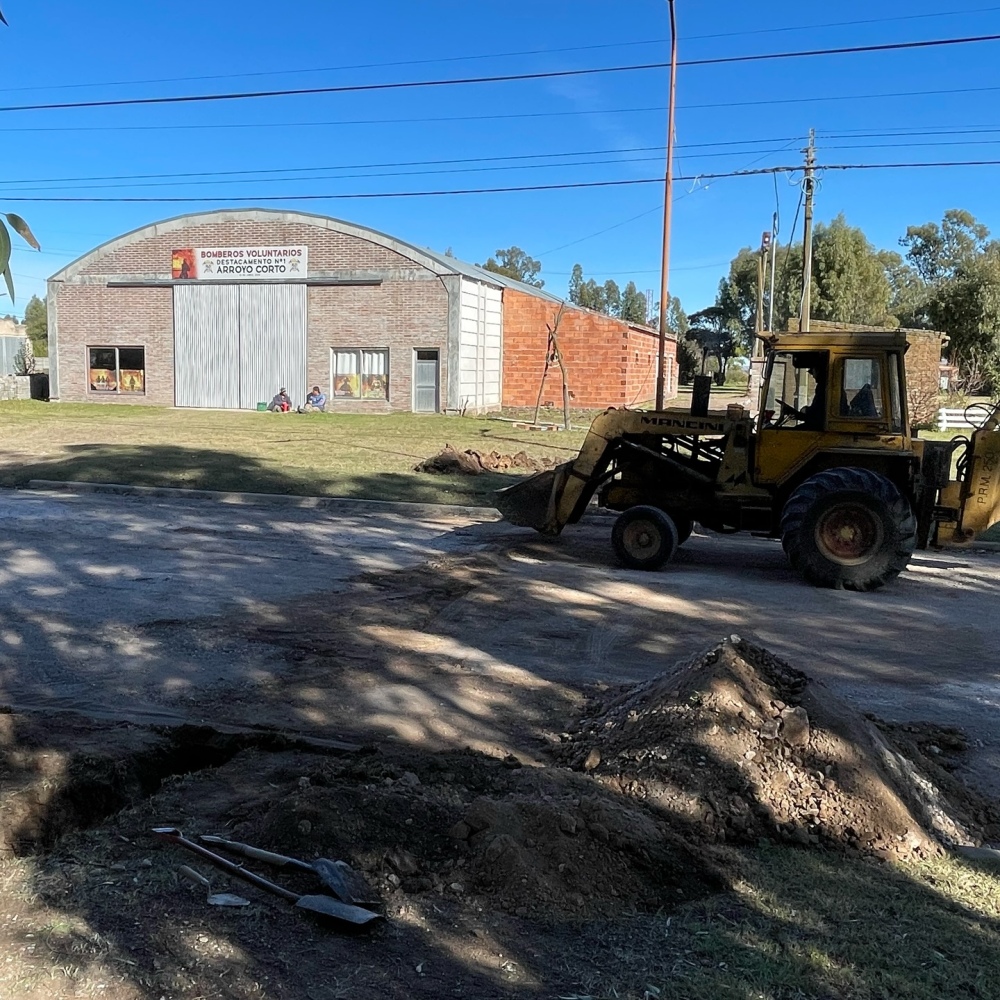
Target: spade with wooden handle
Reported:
point(325, 906)
point(337, 876)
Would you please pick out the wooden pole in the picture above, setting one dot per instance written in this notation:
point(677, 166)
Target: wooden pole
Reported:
point(668, 196)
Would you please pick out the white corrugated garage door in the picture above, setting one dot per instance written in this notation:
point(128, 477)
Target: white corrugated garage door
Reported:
point(207, 346)
point(272, 343)
point(236, 345)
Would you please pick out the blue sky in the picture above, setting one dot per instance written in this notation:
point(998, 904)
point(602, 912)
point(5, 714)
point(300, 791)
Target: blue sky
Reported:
point(756, 114)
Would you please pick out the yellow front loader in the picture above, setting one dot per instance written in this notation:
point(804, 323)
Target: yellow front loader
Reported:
point(829, 466)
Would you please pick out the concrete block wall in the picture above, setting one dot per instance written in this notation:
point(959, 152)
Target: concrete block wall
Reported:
point(608, 362)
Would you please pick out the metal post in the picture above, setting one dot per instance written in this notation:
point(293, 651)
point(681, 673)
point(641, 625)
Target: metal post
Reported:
point(810, 184)
point(667, 205)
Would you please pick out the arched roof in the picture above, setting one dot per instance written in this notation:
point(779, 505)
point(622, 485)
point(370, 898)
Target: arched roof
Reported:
point(427, 258)
point(434, 262)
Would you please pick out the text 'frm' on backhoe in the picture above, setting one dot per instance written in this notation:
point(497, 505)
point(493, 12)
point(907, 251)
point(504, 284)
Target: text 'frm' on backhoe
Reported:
point(829, 466)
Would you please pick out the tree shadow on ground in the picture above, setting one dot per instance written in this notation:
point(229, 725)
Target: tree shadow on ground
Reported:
point(416, 658)
point(226, 471)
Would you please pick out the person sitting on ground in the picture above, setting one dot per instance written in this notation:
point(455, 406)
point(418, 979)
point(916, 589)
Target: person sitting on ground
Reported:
point(281, 403)
point(315, 400)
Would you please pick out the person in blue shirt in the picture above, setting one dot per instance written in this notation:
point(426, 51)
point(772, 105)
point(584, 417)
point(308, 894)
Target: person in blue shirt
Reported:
point(315, 400)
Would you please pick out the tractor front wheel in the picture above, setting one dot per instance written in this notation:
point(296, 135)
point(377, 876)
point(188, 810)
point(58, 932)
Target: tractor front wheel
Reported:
point(644, 538)
point(684, 526)
point(849, 529)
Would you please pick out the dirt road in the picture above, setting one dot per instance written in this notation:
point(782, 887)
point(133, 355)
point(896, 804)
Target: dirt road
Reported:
point(151, 609)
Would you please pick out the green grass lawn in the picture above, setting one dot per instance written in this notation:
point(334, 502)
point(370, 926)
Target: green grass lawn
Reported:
point(345, 455)
point(810, 925)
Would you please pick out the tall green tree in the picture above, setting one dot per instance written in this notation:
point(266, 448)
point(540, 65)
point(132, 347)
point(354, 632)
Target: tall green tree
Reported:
point(36, 323)
point(633, 305)
point(850, 281)
point(515, 263)
point(937, 252)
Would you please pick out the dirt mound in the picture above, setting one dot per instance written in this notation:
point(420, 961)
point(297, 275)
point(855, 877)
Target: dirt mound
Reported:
point(737, 745)
point(474, 463)
point(532, 841)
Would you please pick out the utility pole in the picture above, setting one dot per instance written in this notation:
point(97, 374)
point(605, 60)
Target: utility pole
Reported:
point(668, 198)
point(810, 185)
point(757, 351)
point(774, 267)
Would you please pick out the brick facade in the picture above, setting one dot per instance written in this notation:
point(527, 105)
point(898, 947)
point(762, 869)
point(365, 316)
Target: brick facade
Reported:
point(608, 362)
point(403, 316)
point(407, 311)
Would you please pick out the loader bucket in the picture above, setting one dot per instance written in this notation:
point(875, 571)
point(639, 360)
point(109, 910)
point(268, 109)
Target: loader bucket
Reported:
point(533, 502)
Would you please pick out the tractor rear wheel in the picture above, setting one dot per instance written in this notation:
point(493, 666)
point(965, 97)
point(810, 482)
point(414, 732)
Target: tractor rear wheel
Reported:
point(644, 538)
point(849, 529)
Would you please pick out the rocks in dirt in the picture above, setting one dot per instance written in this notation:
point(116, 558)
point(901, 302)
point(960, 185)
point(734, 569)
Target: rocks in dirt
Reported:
point(474, 463)
point(735, 744)
point(795, 726)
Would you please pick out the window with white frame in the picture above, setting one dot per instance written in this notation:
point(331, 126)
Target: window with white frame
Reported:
point(358, 373)
point(117, 369)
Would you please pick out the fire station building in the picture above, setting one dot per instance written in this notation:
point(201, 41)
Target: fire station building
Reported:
point(221, 309)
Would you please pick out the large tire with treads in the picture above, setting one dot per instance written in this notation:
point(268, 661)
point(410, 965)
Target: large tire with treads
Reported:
point(644, 538)
point(849, 529)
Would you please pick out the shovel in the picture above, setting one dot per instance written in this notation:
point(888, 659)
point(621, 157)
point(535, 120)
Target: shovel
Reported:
point(337, 876)
point(323, 905)
point(214, 898)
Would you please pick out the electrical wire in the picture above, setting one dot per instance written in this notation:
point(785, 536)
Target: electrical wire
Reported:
point(505, 78)
point(566, 186)
point(285, 174)
point(659, 109)
point(493, 55)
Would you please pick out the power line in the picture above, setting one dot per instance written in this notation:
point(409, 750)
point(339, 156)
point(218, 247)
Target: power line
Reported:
point(399, 163)
point(658, 109)
point(500, 55)
point(233, 176)
point(571, 185)
point(495, 55)
point(506, 78)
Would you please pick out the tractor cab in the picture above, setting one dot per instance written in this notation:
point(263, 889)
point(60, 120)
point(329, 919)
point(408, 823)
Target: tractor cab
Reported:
point(825, 393)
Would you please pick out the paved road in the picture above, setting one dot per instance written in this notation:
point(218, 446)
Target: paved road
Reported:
point(86, 582)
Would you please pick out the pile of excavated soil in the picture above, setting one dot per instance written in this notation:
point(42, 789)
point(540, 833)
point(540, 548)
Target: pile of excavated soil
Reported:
point(474, 463)
point(736, 745)
point(532, 841)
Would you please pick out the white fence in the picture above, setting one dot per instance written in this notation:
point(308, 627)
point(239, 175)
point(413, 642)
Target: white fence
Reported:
point(955, 419)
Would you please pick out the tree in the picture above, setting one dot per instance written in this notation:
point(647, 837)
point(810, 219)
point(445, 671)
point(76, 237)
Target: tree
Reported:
point(937, 252)
point(851, 285)
point(36, 323)
point(718, 336)
point(515, 263)
point(24, 359)
point(633, 305)
point(967, 308)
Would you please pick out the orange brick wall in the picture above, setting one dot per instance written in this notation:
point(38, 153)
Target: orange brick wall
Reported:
point(608, 362)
